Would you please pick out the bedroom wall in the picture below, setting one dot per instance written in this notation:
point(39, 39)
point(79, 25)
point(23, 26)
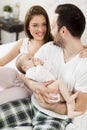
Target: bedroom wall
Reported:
point(48, 5)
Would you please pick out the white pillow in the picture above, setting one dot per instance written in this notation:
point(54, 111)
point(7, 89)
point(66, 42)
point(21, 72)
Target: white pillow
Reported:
point(7, 77)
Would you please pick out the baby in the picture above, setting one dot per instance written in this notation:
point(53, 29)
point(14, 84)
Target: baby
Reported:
point(34, 68)
point(40, 71)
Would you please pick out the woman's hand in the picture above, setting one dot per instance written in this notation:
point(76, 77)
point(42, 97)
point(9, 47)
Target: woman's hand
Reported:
point(83, 52)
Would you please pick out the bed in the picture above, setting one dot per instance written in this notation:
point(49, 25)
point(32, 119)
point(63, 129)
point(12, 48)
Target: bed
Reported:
point(79, 123)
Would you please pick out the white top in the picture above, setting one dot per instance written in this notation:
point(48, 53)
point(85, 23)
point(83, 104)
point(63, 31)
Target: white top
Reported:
point(24, 47)
point(74, 72)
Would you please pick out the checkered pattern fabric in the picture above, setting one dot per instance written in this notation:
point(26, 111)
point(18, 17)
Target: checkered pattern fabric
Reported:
point(23, 113)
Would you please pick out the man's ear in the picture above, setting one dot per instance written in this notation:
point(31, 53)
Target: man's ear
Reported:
point(63, 31)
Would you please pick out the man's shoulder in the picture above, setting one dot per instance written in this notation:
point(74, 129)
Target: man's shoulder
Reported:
point(48, 51)
point(83, 61)
point(83, 64)
point(50, 45)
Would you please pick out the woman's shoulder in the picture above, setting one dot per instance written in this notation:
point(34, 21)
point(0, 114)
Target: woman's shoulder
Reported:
point(24, 45)
point(25, 40)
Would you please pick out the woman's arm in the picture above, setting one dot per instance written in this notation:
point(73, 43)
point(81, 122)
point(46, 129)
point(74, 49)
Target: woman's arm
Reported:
point(11, 54)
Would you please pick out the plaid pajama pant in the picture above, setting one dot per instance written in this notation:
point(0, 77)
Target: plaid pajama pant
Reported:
point(23, 113)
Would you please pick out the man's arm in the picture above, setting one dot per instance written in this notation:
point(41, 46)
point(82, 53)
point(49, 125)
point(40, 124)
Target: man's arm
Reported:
point(81, 102)
point(61, 108)
point(33, 85)
point(81, 85)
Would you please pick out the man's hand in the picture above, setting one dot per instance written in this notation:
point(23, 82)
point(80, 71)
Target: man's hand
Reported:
point(33, 85)
point(55, 107)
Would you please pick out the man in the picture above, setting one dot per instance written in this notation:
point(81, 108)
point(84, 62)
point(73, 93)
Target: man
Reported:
point(68, 26)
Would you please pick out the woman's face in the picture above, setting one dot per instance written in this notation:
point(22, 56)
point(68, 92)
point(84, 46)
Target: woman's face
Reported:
point(38, 27)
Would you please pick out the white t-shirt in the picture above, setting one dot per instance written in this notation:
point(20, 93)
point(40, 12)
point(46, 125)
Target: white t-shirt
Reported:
point(74, 72)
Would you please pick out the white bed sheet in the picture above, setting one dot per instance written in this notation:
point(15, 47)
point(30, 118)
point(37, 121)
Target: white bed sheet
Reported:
point(79, 123)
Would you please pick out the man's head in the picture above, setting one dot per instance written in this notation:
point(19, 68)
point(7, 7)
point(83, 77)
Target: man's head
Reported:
point(24, 62)
point(70, 17)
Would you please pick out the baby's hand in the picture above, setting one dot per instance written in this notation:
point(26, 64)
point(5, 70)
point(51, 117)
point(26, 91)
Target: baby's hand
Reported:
point(38, 61)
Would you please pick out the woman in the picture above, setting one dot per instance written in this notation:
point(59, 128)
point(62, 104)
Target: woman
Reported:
point(37, 30)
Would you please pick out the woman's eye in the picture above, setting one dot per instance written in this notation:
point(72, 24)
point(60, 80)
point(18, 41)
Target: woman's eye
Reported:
point(34, 25)
point(45, 24)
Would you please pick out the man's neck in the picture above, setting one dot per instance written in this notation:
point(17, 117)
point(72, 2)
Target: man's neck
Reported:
point(72, 49)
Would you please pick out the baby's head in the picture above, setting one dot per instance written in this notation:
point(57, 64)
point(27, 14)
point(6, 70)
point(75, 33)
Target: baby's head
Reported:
point(24, 62)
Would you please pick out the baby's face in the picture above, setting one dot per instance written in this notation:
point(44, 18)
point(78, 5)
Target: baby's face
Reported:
point(29, 62)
